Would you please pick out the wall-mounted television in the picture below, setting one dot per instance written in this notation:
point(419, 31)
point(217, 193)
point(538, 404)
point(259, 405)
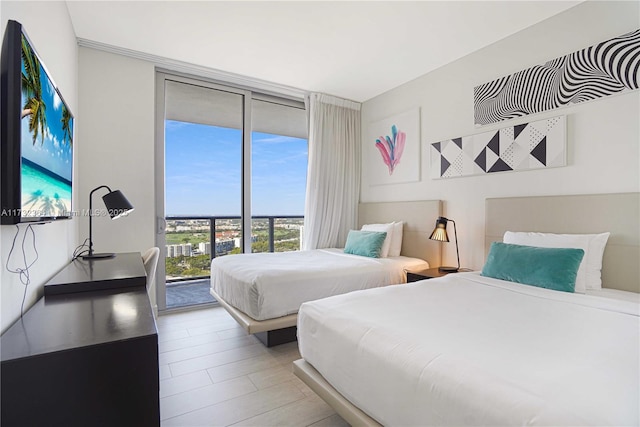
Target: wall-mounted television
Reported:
point(36, 131)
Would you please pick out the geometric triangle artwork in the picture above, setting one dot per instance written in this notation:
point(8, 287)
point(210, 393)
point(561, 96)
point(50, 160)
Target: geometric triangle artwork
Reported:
point(457, 164)
point(500, 166)
point(491, 159)
point(517, 129)
point(535, 145)
point(481, 160)
point(444, 165)
point(494, 143)
point(514, 155)
point(540, 151)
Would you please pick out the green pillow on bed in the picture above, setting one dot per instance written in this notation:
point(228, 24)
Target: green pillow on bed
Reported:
point(551, 268)
point(365, 243)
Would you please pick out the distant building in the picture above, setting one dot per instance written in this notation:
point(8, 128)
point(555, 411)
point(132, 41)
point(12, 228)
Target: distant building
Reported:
point(225, 246)
point(204, 248)
point(290, 226)
point(171, 251)
point(186, 249)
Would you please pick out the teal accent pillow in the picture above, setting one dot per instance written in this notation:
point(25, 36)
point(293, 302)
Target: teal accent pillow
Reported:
point(365, 243)
point(551, 268)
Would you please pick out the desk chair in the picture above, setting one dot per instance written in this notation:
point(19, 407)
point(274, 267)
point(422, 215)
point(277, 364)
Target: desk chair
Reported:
point(150, 260)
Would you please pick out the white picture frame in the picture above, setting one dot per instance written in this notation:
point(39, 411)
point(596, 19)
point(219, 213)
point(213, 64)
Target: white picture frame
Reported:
point(539, 144)
point(394, 158)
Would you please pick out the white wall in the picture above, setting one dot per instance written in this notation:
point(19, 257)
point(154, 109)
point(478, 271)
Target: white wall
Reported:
point(117, 100)
point(603, 135)
point(49, 27)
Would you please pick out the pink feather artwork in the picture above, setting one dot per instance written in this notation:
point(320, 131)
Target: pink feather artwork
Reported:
point(391, 148)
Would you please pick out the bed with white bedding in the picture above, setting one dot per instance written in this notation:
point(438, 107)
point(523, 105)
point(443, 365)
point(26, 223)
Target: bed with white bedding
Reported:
point(263, 291)
point(472, 350)
point(295, 277)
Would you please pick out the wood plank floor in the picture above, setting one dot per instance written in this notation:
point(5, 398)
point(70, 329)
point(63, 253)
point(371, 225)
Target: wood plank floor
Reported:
point(213, 374)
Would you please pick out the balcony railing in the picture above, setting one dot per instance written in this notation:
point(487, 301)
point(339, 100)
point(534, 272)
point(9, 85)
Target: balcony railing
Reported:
point(202, 228)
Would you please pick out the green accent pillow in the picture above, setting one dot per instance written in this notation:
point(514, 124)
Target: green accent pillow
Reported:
point(551, 268)
point(365, 243)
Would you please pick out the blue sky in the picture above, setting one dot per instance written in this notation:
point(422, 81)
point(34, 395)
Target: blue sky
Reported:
point(203, 171)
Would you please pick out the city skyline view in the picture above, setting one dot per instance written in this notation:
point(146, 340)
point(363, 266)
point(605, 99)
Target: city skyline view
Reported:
point(189, 247)
point(203, 171)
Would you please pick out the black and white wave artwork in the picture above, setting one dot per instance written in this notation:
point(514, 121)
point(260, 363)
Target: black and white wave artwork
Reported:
point(601, 70)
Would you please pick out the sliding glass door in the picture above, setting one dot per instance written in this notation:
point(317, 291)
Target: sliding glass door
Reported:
point(231, 177)
point(202, 208)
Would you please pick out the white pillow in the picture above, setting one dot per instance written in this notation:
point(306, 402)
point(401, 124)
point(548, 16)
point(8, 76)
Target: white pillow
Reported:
point(388, 228)
point(396, 239)
point(590, 271)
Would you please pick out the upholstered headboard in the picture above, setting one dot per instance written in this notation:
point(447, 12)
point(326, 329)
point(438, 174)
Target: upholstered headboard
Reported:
point(618, 214)
point(419, 219)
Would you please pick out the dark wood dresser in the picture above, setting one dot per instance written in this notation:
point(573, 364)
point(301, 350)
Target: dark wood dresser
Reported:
point(86, 354)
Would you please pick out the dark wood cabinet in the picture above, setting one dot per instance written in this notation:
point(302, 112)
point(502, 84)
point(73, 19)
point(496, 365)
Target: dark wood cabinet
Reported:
point(430, 273)
point(89, 357)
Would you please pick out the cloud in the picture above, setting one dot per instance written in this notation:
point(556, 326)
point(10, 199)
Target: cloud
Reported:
point(57, 102)
point(277, 139)
point(173, 125)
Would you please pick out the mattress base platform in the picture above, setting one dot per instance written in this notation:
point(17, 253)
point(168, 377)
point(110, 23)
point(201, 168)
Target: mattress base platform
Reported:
point(278, 336)
point(270, 332)
point(316, 382)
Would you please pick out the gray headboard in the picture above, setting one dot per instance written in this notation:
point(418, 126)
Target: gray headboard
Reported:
point(419, 219)
point(618, 214)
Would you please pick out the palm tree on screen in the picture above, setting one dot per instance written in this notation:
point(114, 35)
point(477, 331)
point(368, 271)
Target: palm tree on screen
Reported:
point(35, 198)
point(66, 125)
point(59, 204)
point(31, 86)
point(46, 206)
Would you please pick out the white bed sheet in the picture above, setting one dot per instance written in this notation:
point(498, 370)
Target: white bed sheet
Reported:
point(615, 294)
point(270, 285)
point(469, 350)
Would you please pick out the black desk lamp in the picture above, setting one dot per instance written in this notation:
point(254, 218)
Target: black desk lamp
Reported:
point(440, 234)
point(117, 205)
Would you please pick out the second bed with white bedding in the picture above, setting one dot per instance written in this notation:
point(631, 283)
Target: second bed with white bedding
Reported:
point(271, 285)
point(469, 350)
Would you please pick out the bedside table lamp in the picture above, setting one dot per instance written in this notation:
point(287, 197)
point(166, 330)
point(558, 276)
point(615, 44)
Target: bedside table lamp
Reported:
point(117, 205)
point(440, 234)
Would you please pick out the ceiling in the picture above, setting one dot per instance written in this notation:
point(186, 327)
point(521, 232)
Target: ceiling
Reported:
point(351, 49)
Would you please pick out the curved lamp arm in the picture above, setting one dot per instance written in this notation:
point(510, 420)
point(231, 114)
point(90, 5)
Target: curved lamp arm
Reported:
point(117, 205)
point(91, 216)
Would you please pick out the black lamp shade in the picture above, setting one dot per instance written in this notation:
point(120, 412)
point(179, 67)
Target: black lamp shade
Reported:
point(116, 204)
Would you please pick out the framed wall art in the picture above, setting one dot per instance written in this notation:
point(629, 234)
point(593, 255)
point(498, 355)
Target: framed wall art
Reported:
point(535, 145)
point(604, 69)
point(392, 149)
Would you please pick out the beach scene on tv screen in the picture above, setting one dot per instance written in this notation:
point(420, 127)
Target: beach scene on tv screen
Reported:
point(46, 143)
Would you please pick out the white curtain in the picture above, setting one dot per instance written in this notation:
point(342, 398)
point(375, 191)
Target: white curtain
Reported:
point(333, 178)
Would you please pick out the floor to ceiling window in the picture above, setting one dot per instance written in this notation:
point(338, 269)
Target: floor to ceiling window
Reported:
point(278, 174)
point(233, 177)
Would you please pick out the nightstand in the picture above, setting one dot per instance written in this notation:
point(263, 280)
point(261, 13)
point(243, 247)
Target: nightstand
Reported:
point(431, 273)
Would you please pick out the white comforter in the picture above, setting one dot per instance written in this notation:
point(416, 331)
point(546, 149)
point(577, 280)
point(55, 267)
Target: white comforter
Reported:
point(468, 350)
point(270, 285)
